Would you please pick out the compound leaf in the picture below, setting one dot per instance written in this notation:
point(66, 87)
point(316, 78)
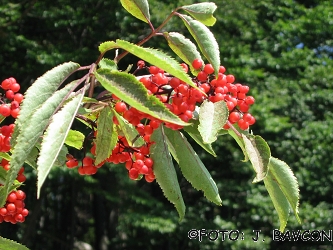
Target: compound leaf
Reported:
point(212, 117)
point(202, 12)
point(55, 137)
point(191, 166)
point(205, 40)
point(259, 154)
point(138, 8)
point(165, 172)
point(130, 90)
point(31, 132)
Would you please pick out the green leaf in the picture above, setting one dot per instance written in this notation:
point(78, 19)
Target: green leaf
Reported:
point(154, 57)
point(138, 8)
point(183, 48)
point(55, 137)
point(202, 12)
point(3, 176)
point(193, 131)
point(131, 134)
point(285, 180)
point(165, 172)
point(191, 166)
point(279, 200)
point(32, 131)
point(259, 154)
point(106, 63)
point(130, 90)
point(6, 244)
point(205, 40)
point(212, 117)
point(4, 156)
point(105, 46)
point(74, 139)
point(107, 135)
point(42, 89)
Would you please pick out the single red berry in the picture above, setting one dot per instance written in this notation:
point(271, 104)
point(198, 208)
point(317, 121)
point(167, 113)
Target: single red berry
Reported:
point(249, 100)
point(120, 107)
point(10, 94)
point(87, 161)
point(4, 110)
point(197, 63)
point(153, 70)
point(234, 116)
point(133, 173)
point(243, 124)
point(12, 197)
point(230, 78)
point(202, 76)
point(18, 97)
point(15, 87)
point(174, 82)
point(72, 163)
point(208, 69)
point(222, 69)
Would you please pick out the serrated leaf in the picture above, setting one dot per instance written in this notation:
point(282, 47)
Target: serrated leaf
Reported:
point(6, 244)
point(106, 63)
point(193, 131)
point(259, 154)
point(131, 134)
point(212, 117)
point(43, 88)
point(184, 48)
point(279, 200)
point(107, 135)
point(157, 58)
point(32, 158)
point(105, 46)
point(202, 12)
point(138, 8)
point(285, 179)
point(74, 139)
point(205, 40)
point(55, 137)
point(4, 155)
point(165, 172)
point(129, 89)
point(3, 176)
point(191, 166)
point(31, 132)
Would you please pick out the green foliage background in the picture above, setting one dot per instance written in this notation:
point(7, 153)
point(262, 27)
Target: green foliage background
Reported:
point(282, 49)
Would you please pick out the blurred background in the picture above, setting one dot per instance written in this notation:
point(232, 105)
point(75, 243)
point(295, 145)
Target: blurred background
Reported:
point(282, 49)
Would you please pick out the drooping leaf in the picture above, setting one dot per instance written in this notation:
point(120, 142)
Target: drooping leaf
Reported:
point(259, 154)
point(283, 176)
point(31, 132)
point(184, 48)
point(202, 12)
point(55, 137)
point(205, 40)
point(4, 156)
point(105, 46)
point(138, 8)
point(193, 131)
point(74, 139)
point(107, 135)
point(43, 88)
point(129, 89)
point(191, 166)
point(165, 172)
point(106, 63)
point(131, 134)
point(6, 244)
point(212, 117)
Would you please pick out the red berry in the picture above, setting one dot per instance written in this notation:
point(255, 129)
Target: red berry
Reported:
point(4, 110)
point(202, 76)
point(120, 107)
point(153, 70)
point(234, 117)
point(184, 66)
point(209, 69)
point(72, 163)
point(15, 87)
point(243, 124)
point(197, 63)
point(230, 78)
point(222, 69)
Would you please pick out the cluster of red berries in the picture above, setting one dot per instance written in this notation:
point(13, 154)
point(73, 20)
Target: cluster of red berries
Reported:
point(14, 209)
point(13, 107)
point(181, 99)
